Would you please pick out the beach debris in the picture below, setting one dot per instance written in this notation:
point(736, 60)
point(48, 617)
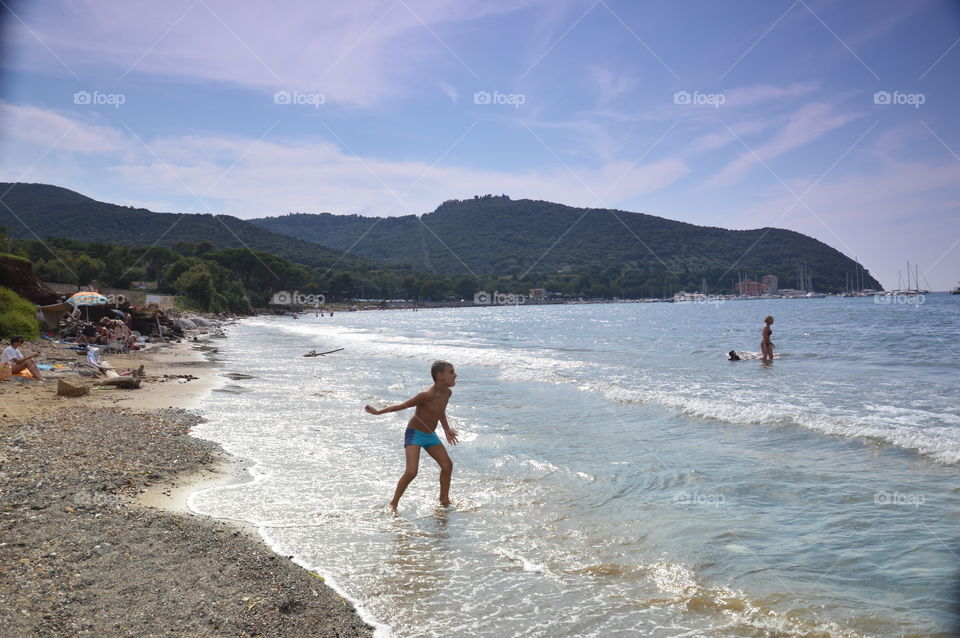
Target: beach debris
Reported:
point(180, 378)
point(314, 353)
point(72, 388)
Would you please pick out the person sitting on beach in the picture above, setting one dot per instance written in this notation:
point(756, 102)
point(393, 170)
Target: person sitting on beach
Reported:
point(18, 362)
point(88, 334)
point(733, 356)
point(431, 408)
point(766, 346)
point(120, 332)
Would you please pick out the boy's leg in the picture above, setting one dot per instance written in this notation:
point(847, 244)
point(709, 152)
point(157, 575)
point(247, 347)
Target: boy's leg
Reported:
point(439, 454)
point(412, 454)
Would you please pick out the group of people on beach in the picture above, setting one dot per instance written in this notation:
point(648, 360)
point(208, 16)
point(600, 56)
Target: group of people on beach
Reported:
point(431, 411)
point(102, 332)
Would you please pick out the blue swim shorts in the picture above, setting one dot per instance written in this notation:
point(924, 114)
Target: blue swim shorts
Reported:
point(416, 437)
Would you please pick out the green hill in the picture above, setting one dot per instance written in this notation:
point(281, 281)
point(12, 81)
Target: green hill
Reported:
point(482, 242)
point(496, 236)
point(32, 211)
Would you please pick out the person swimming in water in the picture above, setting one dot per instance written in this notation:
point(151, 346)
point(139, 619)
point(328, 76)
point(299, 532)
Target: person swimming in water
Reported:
point(733, 356)
point(766, 346)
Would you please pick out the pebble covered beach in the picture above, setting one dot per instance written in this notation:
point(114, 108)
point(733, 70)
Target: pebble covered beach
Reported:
point(80, 557)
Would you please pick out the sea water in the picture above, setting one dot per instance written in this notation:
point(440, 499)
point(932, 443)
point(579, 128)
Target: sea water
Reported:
point(616, 475)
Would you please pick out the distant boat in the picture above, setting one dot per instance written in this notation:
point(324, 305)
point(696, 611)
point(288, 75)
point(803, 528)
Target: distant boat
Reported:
point(955, 290)
point(909, 290)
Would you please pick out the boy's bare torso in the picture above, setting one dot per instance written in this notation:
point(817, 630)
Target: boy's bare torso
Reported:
point(432, 404)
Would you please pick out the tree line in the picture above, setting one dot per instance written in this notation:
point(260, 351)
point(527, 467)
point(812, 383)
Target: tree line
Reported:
point(237, 280)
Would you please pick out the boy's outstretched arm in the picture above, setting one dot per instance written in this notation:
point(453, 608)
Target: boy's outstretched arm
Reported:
point(447, 430)
point(409, 403)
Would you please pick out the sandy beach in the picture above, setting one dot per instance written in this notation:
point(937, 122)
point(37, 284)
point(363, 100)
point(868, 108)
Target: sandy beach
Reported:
point(95, 536)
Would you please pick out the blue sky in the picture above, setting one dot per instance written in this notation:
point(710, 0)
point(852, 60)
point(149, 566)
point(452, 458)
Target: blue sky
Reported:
point(835, 118)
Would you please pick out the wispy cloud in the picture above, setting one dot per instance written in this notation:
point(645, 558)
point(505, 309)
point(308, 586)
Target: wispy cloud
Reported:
point(611, 84)
point(804, 126)
point(450, 91)
point(316, 175)
point(755, 94)
point(344, 51)
point(43, 127)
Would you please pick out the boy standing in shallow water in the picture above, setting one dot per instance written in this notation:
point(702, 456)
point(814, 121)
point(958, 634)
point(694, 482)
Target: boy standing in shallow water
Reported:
point(431, 408)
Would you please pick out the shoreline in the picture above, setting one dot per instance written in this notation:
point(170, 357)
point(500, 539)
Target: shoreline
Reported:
point(96, 533)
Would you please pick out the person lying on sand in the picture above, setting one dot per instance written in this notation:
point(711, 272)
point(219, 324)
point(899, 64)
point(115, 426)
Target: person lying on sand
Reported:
point(18, 362)
point(431, 408)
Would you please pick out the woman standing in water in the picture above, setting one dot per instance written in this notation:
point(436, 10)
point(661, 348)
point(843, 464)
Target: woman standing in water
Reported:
point(766, 346)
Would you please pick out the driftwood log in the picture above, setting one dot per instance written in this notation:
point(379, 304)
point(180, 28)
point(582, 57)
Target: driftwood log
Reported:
point(314, 353)
point(131, 382)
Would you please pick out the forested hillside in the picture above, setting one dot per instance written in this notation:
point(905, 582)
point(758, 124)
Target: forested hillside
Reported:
point(33, 211)
point(496, 236)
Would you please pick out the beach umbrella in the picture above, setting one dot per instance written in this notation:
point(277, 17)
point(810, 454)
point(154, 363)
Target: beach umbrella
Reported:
point(87, 299)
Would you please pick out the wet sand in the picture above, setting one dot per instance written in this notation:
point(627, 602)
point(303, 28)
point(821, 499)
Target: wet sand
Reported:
point(95, 536)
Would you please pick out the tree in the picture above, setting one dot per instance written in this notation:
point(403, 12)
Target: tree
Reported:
point(466, 286)
point(197, 285)
point(87, 268)
point(181, 266)
point(158, 258)
point(342, 283)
